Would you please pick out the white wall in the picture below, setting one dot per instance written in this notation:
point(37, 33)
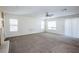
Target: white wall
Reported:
point(30, 24)
point(26, 25)
point(61, 24)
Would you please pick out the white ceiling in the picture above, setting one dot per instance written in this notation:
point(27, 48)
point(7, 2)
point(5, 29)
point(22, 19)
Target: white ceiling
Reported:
point(40, 10)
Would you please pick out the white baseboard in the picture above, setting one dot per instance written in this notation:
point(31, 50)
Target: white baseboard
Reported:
point(23, 34)
point(57, 33)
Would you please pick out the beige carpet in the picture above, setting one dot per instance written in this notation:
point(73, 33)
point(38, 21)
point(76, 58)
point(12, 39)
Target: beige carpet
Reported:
point(43, 43)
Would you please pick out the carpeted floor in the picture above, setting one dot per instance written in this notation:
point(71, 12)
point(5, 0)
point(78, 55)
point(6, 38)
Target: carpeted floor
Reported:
point(43, 43)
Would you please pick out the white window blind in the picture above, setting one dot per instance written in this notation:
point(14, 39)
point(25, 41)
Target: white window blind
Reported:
point(13, 25)
point(42, 24)
point(52, 25)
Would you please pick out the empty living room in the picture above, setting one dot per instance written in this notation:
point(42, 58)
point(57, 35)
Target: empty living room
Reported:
point(39, 29)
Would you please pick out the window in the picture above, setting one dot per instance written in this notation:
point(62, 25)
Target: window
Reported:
point(42, 24)
point(13, 25)
point(52, 25)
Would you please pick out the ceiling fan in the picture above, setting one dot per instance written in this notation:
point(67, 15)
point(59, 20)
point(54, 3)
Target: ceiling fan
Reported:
point(49, 14)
